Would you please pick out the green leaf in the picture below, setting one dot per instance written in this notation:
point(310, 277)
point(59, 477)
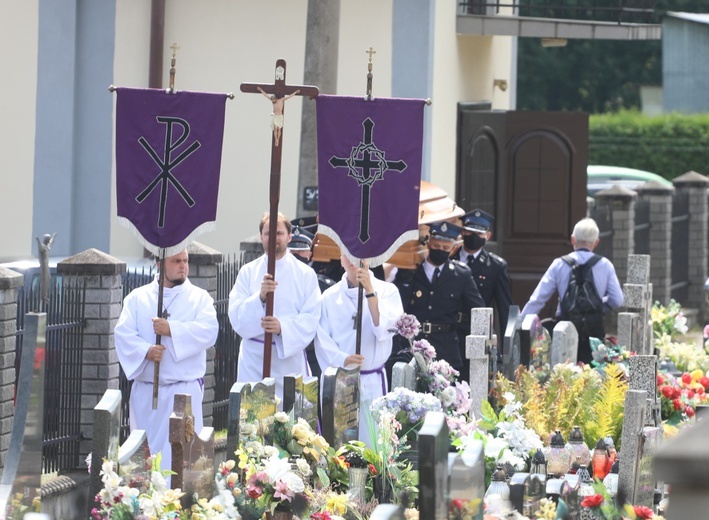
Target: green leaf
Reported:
point(322, 476)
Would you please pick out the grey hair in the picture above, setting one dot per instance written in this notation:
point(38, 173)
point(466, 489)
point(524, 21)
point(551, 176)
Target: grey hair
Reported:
point(586, 232)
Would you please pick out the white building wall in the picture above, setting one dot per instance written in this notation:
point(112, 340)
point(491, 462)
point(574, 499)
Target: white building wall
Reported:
point(222, 44)
point(18, 61)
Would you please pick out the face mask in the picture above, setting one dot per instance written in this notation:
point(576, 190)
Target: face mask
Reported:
point(473, 242)
point(437, 256)
point(301, 258)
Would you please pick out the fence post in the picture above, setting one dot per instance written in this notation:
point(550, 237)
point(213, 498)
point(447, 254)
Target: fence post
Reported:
point(9, 283)
point(621, 203)
point(696, 186)
point(659, 198)
point(102, 274)
point(203, 273)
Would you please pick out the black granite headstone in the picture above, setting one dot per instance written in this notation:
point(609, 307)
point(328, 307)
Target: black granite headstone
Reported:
point(511, 356)
point(253, 403)
point(300, 398)
point(466, 482)
point(433, 445)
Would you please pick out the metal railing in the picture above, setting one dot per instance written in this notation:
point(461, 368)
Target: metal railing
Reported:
point(227, 347)
point(62, 370)
point(623, 11)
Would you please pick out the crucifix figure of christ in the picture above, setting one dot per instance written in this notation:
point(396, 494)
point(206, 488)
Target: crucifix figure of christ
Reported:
point(366, 164)
point(278, 93)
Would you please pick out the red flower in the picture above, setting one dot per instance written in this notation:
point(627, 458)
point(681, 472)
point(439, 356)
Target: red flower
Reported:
point(372, 469)
point(642, 512)
point(321, 516)
point(592, 501)
point(704, 381)
point(686, 378)
point(677, 404)
point(700, 390)
point(660, 380)
point(667, 392)
point(458, 504)
point(689, 411)
point(254, 492)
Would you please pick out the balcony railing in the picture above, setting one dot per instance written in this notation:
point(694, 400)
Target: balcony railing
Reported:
point(618, 11)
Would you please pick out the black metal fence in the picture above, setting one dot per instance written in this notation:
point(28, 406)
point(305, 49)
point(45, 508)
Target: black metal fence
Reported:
point(63, 368)
point(679, 242)
point(604, 219)
point(227, 346)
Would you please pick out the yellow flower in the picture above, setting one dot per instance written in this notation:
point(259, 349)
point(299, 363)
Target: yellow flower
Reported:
point(243, 458)
point(232, 479)
point(697, 374)
point(669, 430)
point(337, 503)
point(302, 434)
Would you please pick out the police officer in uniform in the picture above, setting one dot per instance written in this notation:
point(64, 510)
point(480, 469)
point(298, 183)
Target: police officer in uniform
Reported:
point(438, 291)
point(301, 245)
point(489, 272)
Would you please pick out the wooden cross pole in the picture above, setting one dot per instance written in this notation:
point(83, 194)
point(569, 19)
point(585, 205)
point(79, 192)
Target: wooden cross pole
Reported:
point(278, 93)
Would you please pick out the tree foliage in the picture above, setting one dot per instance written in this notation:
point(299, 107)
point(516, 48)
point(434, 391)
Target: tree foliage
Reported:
point(594, 76)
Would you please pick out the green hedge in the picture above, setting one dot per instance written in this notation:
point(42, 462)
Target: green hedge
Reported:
point(668, 145)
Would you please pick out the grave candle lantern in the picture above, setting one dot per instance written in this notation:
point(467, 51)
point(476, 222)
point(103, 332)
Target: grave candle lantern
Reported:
point(577, 447)
point(539, 463)
point(498, 485)
point(558, 457)
point(600, 460)
point(611, 480)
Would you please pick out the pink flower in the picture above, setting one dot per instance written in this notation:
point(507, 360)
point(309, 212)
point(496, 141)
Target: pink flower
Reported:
point(254, 491)
point(282, 491)
point(408, 326)
point(706, 331)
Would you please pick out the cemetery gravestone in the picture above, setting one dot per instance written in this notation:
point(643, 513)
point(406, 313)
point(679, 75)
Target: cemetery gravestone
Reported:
point(564, 344)
point(251, 410)
point(534, 343)
point(300, 398)
point(637, 296)
point(466, 482)
point(571, 498)
point(433, 445)
point(630, 331)
point(511, 356)
point(646, 482)
point(23, 465)
point(557, 488)
point(107, 424)
point(476, 345)
point(340, 405)
point(134, 461)
point(192, 453)
point(405, 375)
point(643, 376)
point(631, 443)
point(683, 463)
point(526, 491)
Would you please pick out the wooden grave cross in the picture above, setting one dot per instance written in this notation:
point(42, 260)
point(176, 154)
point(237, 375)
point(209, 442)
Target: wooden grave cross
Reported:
point(278, 92)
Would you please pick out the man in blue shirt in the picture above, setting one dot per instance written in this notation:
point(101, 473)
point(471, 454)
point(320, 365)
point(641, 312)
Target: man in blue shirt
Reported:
point(556, 280)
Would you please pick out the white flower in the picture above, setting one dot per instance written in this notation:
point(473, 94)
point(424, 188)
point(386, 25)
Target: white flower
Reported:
point(448, 396)
point(294, 482)
point(148, 506)
point(247, 429)
point(276, 468)
point(270, 451)
point(129, 494)
point(158, 482)
point(303, 467)
point(680, 324)
point(494, 446)
point(281, 417)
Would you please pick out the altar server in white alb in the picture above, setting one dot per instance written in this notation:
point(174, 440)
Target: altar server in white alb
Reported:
point(296, 310)
point(188, 327)
point(335, 342)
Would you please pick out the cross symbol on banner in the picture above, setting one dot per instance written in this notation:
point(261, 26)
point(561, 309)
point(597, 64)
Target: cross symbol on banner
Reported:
point(166, 164)
point(366, 164)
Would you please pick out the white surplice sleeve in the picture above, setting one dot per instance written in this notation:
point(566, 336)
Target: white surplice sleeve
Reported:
point(189, 338)
point(245, 306)
point(298, 328)
point(130, 347)
point(390, 309)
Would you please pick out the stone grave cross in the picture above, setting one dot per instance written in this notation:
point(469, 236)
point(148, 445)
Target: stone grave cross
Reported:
point(477, 350)
point(634, 329)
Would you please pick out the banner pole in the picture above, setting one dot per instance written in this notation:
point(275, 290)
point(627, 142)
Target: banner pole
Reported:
point(158, 337)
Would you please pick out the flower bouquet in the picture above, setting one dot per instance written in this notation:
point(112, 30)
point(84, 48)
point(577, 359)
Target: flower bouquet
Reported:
point(139, 498)
point(668, 320)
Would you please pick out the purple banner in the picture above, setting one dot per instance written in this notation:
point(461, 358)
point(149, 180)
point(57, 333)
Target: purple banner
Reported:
point(168, 159)
point(369, 173)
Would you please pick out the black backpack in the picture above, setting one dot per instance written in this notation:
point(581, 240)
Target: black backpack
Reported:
point(581, 305)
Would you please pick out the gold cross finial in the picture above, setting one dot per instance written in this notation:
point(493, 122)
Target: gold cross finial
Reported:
point(370, 52)
point(174, 48)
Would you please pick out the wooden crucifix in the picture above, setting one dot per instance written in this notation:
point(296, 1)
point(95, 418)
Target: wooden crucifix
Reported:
point(278, 93)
